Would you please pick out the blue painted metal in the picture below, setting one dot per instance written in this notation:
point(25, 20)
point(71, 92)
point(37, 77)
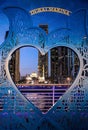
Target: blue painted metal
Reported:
point(73, 105)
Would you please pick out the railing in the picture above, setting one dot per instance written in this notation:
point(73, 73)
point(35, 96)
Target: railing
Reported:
point(44, 96)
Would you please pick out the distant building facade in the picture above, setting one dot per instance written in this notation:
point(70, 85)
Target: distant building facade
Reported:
point(43, 59)
point(64, 64)
point(14, 64)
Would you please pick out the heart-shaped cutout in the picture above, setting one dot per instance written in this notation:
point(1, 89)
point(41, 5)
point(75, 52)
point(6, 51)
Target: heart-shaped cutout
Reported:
point(46, 77)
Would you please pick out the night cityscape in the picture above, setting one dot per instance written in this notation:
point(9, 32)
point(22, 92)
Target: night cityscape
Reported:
point(43, 65)
point(55, 73)
point(55, 67)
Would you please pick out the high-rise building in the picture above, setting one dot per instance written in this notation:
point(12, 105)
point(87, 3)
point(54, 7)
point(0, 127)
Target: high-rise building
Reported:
point(43, 59)
point(14, 64)
point(64, 64)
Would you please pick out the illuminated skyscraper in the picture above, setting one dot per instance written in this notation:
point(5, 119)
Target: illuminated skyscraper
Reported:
point(43, 59)
point(58, 64)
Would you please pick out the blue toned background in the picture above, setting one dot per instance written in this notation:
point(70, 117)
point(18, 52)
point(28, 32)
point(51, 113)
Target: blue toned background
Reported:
point(54, 20)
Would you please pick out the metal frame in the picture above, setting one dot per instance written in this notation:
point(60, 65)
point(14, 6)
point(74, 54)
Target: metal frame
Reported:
point(23, 34)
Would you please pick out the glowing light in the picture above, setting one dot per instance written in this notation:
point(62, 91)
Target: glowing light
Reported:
point(50, 9)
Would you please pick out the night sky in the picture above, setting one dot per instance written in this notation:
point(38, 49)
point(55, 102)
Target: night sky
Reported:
point(54, 21)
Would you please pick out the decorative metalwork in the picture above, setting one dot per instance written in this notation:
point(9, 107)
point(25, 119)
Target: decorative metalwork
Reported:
point(72, 105)
point(50, 9)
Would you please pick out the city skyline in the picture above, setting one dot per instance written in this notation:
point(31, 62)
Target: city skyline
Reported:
point(41, 18)
point(62, 63)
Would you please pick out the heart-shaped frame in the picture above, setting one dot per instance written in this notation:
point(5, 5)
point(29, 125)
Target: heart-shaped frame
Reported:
point(22, 36)
point(58, 44)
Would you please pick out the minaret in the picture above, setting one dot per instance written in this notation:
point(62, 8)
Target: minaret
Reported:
point(43, 73)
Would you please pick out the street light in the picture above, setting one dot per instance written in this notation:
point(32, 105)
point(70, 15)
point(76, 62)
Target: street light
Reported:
point(68, 80)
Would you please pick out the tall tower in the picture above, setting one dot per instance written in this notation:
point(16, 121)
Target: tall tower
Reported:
point(59, 64)
point(43, 59)
point(14, 64)
point(63, 64)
